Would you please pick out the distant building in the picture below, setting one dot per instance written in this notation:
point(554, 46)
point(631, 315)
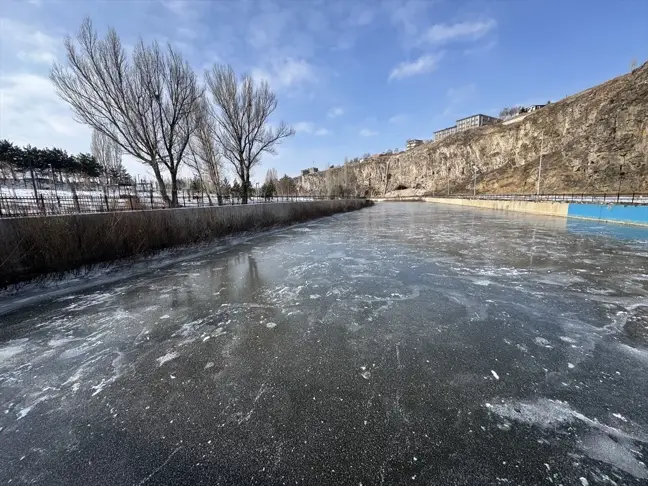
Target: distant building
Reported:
point(467, 123)
point(310, 170)
point(534, 108)
point(413, 142)
point(446, 132)
point(475, 121)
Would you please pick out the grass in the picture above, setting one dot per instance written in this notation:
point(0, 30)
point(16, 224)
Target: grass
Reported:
point(33, 247)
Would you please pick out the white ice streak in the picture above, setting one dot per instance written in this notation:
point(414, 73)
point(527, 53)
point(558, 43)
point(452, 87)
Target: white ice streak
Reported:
point(167, 357)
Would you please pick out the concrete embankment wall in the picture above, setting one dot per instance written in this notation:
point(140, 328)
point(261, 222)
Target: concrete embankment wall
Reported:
point(30, 247)
point(547, 208)
point(610, 213)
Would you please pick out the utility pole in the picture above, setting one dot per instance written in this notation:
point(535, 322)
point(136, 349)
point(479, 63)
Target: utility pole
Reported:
point(621, 174)
point(540, 164)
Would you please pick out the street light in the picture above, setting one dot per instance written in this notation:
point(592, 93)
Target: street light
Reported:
point(540, 164)
point(621, 174)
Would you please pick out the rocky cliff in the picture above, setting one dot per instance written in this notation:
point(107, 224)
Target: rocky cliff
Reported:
point(591, 142)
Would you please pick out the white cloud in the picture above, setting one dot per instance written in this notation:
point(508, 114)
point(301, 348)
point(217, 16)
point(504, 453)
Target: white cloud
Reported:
point(26, 43)
point(308, 127)
point(443, 33)
point(366, 132)
point(424, 64)
point(397, 119)
point(33, 114)
point(335, 112)
point(475, 51)
point(305, 127)
point(285, 73)
point(408, 14)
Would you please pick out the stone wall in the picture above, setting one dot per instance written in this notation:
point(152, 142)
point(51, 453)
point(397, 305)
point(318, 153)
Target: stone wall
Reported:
point(585, 139)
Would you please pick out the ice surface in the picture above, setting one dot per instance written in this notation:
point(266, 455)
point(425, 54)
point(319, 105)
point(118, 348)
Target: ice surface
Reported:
point(420, 314)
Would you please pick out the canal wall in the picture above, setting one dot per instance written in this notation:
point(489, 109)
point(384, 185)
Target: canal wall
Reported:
point(544, 207)
point(608, 213)
point(611, 213)
point(31, 247)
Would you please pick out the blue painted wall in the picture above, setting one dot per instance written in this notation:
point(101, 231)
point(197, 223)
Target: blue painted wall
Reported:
point(611, 212)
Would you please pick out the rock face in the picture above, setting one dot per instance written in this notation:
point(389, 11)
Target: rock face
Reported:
point(591, 142)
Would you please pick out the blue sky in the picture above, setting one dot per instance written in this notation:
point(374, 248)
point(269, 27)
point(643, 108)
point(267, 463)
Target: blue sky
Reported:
point(351, 76)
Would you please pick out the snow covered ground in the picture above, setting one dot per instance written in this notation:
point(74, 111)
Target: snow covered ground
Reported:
point(401, 344)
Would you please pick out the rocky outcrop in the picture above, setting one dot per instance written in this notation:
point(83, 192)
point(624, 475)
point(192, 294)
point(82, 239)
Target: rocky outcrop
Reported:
point(591, 142)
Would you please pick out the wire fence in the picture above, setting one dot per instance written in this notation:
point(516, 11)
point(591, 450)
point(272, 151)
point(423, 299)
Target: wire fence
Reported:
point(50, 205)
point(598, 198)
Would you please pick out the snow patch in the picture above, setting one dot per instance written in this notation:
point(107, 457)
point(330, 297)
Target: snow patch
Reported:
point(167, 357)
point(540, 341)
point(11, 350)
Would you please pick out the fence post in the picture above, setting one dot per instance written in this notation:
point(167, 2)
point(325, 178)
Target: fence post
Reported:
point(1, 198)
point(130, 199)
point(618, 196)
point(603, 197)
point(183, 198)
point(42, 200)
point(633, 197)
point(151, 193)
point(106, 200)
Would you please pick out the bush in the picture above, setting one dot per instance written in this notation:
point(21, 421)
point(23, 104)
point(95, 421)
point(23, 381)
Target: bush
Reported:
point(31, 247)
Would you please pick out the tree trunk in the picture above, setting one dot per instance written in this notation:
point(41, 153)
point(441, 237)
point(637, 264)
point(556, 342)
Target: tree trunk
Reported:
point(204, 188)
point(162, 186)
point(244, 190)
point(174, 189)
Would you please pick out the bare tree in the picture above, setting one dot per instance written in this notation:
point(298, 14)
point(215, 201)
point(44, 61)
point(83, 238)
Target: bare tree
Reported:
point(241, 118)
point(144, 104)
point(108, 154)
point(205, 159)
point(271, 175)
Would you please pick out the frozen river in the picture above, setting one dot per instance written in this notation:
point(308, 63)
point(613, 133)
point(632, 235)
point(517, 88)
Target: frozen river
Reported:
point(402, 344)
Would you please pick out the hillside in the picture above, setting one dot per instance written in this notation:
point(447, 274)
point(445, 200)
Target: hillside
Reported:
point(585, 137)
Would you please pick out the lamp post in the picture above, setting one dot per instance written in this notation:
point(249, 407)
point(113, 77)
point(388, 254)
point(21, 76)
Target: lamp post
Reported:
point(621, 174)
point(540, 164)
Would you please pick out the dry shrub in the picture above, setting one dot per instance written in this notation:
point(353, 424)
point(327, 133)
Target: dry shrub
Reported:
point(31, 247)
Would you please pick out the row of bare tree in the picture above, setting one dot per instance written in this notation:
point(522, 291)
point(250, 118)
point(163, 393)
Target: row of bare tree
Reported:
point(150, 105)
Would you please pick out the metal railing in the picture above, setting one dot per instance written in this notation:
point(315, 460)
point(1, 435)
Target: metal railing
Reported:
point(597, 198)
point(57, 204)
